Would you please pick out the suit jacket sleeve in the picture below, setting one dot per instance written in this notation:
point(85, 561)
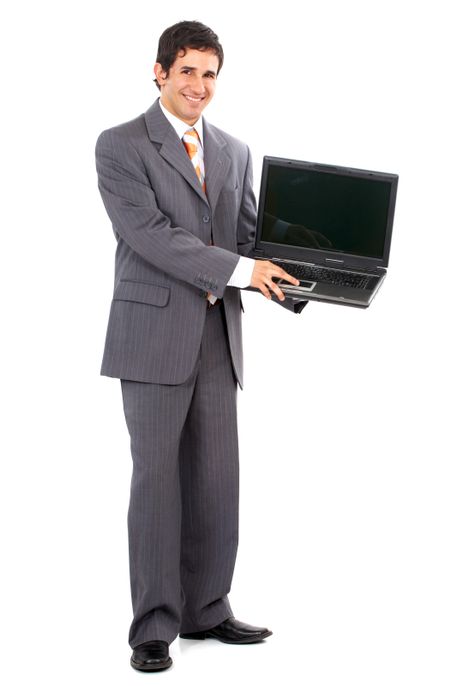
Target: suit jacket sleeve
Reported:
point(246, 233)
point(132, 207)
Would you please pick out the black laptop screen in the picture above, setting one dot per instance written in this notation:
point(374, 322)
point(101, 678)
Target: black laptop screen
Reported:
point(326, 211)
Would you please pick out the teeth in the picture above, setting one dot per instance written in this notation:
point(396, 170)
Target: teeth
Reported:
point(193, 99)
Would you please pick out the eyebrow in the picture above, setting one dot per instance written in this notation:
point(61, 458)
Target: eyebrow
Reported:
point(208, 71)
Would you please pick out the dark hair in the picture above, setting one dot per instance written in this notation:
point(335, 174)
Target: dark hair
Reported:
point(184, 35)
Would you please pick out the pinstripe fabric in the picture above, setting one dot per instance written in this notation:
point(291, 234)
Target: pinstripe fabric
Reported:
point(183, 513)
point(163, 223)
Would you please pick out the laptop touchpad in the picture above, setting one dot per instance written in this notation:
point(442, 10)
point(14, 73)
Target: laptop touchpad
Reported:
point(303, 286)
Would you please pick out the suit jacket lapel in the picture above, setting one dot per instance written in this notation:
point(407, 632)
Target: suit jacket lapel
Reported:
point(172, 149)
point(217, 162)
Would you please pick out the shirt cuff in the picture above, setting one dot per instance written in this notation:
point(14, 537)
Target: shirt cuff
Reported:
point(242, 275)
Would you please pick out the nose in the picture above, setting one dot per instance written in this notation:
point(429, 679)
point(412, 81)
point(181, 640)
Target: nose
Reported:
point(198, 86)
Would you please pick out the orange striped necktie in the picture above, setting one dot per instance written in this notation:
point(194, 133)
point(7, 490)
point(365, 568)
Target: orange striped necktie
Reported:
point(191, 141)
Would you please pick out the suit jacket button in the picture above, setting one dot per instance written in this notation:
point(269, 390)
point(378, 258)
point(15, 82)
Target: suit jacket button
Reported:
point(206, 218)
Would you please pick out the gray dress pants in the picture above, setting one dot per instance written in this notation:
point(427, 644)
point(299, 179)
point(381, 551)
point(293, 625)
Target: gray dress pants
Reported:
point(183, 512)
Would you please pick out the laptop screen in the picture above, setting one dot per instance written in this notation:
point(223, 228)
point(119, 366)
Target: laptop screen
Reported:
point(341, 210)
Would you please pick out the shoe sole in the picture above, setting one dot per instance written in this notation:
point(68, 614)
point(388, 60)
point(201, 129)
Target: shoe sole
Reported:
point(150, 667)
point(200, 636)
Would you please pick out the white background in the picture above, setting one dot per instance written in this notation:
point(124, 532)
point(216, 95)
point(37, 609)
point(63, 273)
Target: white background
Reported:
point(344, 541)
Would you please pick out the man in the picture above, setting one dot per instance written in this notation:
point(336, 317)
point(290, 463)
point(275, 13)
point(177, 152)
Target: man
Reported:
point(179, 195)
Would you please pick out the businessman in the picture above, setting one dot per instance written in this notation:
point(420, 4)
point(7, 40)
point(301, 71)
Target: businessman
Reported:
point(178, 192)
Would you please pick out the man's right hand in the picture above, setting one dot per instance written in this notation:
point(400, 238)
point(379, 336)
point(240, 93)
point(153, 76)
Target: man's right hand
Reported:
point(263, 272)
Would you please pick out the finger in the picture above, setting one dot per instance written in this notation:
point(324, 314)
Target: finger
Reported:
point(288, 277)
point(264, 291)
point(278, 271)
point(278, 292)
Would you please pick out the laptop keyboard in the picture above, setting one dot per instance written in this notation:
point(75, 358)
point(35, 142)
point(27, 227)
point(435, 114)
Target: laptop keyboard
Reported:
point(323, 274)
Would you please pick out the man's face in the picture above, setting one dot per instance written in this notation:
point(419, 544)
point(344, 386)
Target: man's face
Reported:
point(190, 83)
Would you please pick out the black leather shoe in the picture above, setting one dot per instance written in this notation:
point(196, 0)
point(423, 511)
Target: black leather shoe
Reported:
point(232, 631)
point(151, 656)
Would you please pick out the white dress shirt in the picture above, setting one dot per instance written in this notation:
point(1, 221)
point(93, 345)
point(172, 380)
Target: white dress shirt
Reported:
point(242, 275)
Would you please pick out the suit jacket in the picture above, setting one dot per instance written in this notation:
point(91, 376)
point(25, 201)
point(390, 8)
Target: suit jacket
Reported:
point(164, 265)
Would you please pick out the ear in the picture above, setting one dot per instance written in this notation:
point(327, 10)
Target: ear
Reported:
point(160, 74)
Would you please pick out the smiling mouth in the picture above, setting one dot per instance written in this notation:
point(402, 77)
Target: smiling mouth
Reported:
point(192, 99)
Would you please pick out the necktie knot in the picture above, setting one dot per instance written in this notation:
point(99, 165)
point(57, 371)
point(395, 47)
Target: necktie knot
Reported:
point(191, 138)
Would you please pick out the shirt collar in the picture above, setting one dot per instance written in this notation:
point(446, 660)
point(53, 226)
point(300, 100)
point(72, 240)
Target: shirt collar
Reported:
point(180, 126)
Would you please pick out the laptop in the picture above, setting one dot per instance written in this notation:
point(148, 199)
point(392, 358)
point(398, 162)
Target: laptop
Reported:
point(329, 226)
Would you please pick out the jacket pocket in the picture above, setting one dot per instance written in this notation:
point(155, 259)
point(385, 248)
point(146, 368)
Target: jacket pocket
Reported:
point(142, 292)
point(229, 196)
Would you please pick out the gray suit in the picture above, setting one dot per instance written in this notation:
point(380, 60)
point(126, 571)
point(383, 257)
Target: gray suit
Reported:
point(178, 362)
